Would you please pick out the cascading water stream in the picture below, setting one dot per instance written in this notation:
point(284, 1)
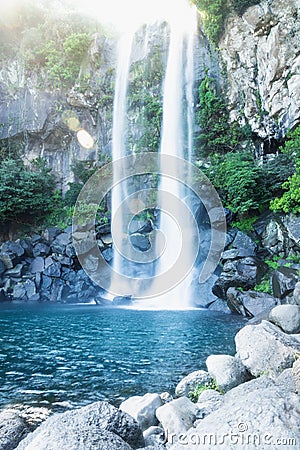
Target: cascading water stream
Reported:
point(176, 141)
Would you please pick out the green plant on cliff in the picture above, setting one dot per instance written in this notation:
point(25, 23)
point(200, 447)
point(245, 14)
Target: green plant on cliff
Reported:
point(216, 134)
point(26, 192)
point(289, 202)
point(239, 181)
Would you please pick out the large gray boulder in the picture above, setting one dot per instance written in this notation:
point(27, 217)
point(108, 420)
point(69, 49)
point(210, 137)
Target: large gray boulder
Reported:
point(296, 294)
point(284, 281)
point(296, 375)
point(250, 303)
point(244, 273)
point(93, 427)
point(177, 416)
point(255, 415)
point(208, 402)
point(142, 409)
point(228, 371)
point(265, 349)
point(191, 381)
point(12, 430)
point(287, 317)
point(244, 245)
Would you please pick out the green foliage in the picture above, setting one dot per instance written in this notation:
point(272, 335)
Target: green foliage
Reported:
point(194, 395)
point(213, 15)
point(264, 286)
point(216, 136)
point(245, 224)
point(26, 193)
point(289, 202)
point(239, 181)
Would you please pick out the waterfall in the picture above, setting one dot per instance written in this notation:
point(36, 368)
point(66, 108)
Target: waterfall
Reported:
point(176, 141)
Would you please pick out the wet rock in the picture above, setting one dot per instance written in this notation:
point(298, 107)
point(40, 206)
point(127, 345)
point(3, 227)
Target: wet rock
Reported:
point(244, 273)
point(96, 426)
point(37, 265)
point(228, 371)
point(16, 272)
point(287, 317)
point(12, 429)
point(40, 249)
point(264, 348)
point(244, 245)
point(250, 303)
point(142, 409)
point(284, 281)
point(296, 293)
point(53, 270)
point(191, 381)
point(177, 416)
point(122, 301)
point(140, 242)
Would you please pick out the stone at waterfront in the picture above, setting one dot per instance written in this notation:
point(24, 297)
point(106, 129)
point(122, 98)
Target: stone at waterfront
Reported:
point(284, 281)
point(122, 301)
point(12, 429)
point(208, 402)
point(287, 317)
point(142, 409)
point(191, 381)
point(296, 375)
point(154, 436)
point(265, 349)
point(93, 427)
point(244, 273)
point(296, 294)
point(228, 371)
point(257, 409)
point(249, 303)
point(166, 397)
point(19, 292)
point(219, 305)
point(177, 416)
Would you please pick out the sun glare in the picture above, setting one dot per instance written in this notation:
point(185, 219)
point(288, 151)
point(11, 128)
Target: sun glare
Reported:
point(128, 15)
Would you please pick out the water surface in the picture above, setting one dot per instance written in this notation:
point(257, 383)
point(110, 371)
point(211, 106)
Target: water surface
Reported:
point(51, 354)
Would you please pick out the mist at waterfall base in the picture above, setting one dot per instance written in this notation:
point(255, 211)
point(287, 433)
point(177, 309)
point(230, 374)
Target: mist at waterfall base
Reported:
point(176, 139)
point(60, 356)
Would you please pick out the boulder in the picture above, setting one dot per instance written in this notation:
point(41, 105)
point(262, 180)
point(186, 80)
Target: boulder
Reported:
point(253, 416)
point(244, 273)
point(284, 281)
point(208, 402)
point(228, 371)
point(2, 268)
point(286, 381)
point(191, 381)
point(296, 294)
point(19, 292)
point(177, 416)
point(26, 244)
point(96, 426)
point(122, 301)
point(154, 436)
point(51, 233)
point(40, 249)
point(140, 242)
point(244, 245)
point(287, 317)
point(7, 260)
point(37, 265)
point(30, 289)
point(12, 429)
point(165, 397)
point(53, 270)
point(60, 243)
point(219, 305)
point(142, 409)
point(15, 272)
point(265, 349)
point(296, 375)
point(13, 249)
point(249, 303)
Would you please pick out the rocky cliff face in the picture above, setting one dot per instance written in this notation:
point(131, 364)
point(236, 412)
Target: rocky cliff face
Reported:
point(261, 54)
